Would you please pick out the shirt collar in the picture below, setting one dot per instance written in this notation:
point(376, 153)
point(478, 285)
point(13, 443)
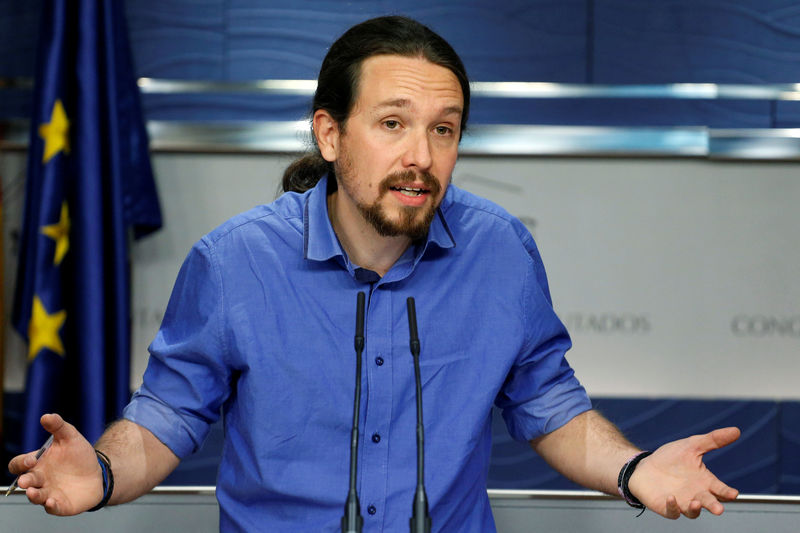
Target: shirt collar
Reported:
point(321, 243)
point(439, 232)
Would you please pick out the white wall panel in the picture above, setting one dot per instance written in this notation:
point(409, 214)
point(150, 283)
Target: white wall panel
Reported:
point(653, 262)
point(676, 277)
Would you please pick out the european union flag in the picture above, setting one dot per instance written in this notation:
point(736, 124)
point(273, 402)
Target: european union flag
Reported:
point(89, 186)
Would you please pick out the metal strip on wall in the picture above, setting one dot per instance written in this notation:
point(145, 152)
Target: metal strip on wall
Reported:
point(481, 139)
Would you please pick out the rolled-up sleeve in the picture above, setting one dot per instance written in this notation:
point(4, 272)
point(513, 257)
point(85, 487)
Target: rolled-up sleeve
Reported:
point(187, 377)
point(541, 392)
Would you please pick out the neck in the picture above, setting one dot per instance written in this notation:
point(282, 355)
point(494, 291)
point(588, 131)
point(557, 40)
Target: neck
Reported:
point(363, 245)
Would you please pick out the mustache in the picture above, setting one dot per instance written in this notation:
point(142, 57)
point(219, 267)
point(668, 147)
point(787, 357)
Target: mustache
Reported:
point(404, 177)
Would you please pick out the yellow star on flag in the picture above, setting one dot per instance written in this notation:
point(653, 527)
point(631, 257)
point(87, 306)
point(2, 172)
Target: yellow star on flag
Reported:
point(55, 133)
point(43, 330)
point(59, 232)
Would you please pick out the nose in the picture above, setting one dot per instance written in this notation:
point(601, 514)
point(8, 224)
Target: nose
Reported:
point(418, 152)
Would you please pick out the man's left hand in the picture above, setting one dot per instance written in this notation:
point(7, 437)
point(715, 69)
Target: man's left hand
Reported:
point(674, 480)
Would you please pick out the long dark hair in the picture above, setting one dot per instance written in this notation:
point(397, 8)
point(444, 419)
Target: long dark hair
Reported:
point(337, 85)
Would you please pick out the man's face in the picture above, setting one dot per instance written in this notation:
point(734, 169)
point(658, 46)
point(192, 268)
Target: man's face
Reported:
point(396, 154)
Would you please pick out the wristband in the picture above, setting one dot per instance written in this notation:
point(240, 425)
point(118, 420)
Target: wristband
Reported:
point(108, 480)
point(624, 477)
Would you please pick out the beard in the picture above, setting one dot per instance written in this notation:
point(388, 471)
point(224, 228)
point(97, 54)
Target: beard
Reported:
point(411, 222)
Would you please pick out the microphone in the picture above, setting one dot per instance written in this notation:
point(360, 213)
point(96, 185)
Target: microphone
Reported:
point(420, 518)
point(352, 521)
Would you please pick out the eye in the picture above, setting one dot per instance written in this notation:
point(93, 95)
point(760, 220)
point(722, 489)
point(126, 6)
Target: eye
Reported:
point(443, 130)
point(391, 124)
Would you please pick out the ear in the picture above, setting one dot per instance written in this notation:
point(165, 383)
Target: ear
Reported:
point(326, 131)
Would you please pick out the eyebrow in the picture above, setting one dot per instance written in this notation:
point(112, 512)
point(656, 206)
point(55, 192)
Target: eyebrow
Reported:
point(397, 102)
point(405, 103)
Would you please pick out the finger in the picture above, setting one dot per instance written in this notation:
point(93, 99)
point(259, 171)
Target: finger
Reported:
point(673, 511)
point(718, 438)
point(22, 463)
point(30, 479)
point(723, 492)
point(56, 425)
point(44, 498)
point(51, 506)
point(36, 495)
point(693, 509)
point(709, 502)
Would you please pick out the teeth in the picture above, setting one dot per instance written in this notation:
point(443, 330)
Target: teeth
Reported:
point(410, 191)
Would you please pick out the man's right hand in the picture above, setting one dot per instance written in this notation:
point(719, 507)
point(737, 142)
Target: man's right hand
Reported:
point(67, 479)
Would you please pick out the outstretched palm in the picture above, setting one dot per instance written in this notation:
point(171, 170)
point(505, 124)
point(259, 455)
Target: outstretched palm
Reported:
point(67, 479)
point(674, 480)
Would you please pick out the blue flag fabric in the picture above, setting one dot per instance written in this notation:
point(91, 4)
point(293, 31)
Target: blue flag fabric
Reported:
point(89, 186)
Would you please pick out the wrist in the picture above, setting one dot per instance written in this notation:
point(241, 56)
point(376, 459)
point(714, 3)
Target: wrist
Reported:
point(108, 480)
point(625, 477)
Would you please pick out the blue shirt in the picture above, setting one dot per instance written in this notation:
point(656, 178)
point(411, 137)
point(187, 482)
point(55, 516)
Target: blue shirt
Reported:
point(260, 327)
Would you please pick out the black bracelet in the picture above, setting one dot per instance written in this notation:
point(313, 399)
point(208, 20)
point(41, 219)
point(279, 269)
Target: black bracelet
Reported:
point(108, 480)
point(625, 476)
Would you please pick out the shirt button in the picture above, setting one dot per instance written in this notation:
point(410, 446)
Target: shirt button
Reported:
point(371, 509)
point(376, 438)
point(379, 361)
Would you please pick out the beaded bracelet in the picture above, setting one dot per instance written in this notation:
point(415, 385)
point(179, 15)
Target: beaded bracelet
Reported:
point(108, 480)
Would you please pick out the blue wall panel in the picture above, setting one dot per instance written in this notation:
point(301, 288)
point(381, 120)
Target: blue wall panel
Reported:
point(789, 470)
point(622, 112)
point(572, 41)
point(787, 114)
point(182, 39)
point(751, 464)
point(243, 39)
point(246, 40)
point(765, 460)
point(699, 41)
point(729, 41)
point(225, 107)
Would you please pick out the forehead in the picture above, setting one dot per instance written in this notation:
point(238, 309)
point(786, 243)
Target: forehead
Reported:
point(415, 79)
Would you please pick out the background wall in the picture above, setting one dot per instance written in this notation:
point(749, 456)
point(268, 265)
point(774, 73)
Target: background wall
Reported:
point(657, 265)
point(677, 277)
point(569, 41)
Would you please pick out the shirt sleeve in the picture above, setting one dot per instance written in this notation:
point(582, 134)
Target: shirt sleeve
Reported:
point(541, 392)
point(187, 379)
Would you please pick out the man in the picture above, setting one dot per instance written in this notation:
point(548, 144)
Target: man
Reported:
point(260, 326)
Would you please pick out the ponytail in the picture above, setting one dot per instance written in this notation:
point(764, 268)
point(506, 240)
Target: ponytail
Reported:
point(304, 173)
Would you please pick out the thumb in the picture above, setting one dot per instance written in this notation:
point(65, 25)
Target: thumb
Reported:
point(60, 429)
point(719, 438)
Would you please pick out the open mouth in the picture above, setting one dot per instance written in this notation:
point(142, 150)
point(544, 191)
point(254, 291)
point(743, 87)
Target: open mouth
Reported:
point(412, 192)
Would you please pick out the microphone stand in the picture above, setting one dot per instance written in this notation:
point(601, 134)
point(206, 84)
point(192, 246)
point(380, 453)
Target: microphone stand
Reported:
point(352, 521)
point(420, 521)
